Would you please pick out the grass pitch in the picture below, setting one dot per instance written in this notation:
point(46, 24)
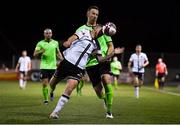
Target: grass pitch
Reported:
point(19, 106)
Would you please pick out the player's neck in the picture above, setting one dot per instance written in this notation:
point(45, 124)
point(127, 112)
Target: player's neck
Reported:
point(138, 53)
point(91, 24)
point(47, 40)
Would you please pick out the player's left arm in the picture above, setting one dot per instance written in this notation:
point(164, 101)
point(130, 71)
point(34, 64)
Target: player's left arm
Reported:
point(166, 70)
point(58, 53)
point(29, 64)
point(120, 66)
point(110, 53)
point(146, 61)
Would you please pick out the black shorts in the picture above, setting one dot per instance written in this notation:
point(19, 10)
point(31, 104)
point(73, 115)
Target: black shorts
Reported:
point(46, 73)
point(69, 71)
point(161, 75)
point(139, 75)
point(114, 75)
point(95, 72)
point(25, 73)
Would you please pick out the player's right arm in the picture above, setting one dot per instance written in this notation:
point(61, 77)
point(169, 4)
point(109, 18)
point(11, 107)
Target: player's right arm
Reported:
point(156, 70)
point(38, 50)
point(74, 37)
point(130, 64)
point(17, 65)
point(70, 40)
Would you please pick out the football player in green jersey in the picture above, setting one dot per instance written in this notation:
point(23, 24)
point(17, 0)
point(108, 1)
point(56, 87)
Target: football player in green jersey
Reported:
point(48, 50)
point(116, 68)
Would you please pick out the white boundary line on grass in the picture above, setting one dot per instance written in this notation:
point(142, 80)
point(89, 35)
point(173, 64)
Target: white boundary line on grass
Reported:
point(162, 91)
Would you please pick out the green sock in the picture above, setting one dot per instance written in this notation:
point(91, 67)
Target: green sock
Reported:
point(79, 87)
point(109, 97)
point(115, 84)
point(45, 93)
point(81, 84)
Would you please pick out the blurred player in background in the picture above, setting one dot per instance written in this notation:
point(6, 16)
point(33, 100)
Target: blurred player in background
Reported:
point(116, 68)
point(161, 72)
point(23, 66)
point(137, 62)
point(99, 72)
point(48, 50)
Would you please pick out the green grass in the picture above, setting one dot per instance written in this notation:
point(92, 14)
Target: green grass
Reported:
point(25, 106)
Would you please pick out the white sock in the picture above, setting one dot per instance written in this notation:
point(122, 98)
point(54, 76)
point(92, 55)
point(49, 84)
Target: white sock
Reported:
point(21, 83)
point(62, 101)
point(24, 83)
point(136, 90)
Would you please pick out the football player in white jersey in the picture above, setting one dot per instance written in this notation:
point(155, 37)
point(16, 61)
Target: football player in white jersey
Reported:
point(23, 66)
point(74, 63)
point(137, 62)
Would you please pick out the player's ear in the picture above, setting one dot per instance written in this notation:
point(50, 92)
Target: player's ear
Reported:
point(87, 14)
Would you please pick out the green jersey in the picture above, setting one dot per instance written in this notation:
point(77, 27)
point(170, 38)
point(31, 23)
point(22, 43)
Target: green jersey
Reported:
point(103, 43)
point(48, 58)
point(115, 67)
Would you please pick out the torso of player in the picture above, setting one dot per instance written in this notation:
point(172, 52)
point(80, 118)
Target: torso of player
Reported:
point(79, 51)
point(138, 60)
point(115, 67)
point(48, 58)
point(102, 41)
point(24, 63)
point(160, 67)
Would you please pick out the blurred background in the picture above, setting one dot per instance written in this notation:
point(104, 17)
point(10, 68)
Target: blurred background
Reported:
point(151, 23)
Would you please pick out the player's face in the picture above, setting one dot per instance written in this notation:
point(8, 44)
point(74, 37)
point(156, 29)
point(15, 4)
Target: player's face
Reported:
point(115, 59)
point(92, 15)
point(138, 49)
point(159, 60)
point(24, 53)
point(47, 34)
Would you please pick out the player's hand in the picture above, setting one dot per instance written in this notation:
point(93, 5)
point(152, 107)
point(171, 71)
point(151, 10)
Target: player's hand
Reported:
point(119, 50)
point(100, 59)
point(96, 52)
point(129, 70)
point(67, 44)
point(42, 50)
point(16, 70)
point(156, 75)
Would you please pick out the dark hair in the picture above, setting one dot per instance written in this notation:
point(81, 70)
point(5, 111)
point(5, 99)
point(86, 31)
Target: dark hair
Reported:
point(93, 7)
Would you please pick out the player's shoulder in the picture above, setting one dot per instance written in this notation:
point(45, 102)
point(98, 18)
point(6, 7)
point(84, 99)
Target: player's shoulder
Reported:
point(143, 54)
point(20, 58)
point(133, 54)
point(41, 42)
point(55, 41)
point(84, 27)
point(28, 57)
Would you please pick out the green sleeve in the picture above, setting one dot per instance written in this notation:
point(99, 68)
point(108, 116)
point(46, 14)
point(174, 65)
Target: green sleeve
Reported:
point(38, 46)
point(108, 38)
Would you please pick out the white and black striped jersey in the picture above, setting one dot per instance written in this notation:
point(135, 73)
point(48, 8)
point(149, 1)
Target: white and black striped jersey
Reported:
point(80, 49)
point(138, 60)
point(24, 63)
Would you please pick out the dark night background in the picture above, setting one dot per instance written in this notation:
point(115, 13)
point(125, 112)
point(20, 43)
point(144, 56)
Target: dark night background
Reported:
point(148, 22)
